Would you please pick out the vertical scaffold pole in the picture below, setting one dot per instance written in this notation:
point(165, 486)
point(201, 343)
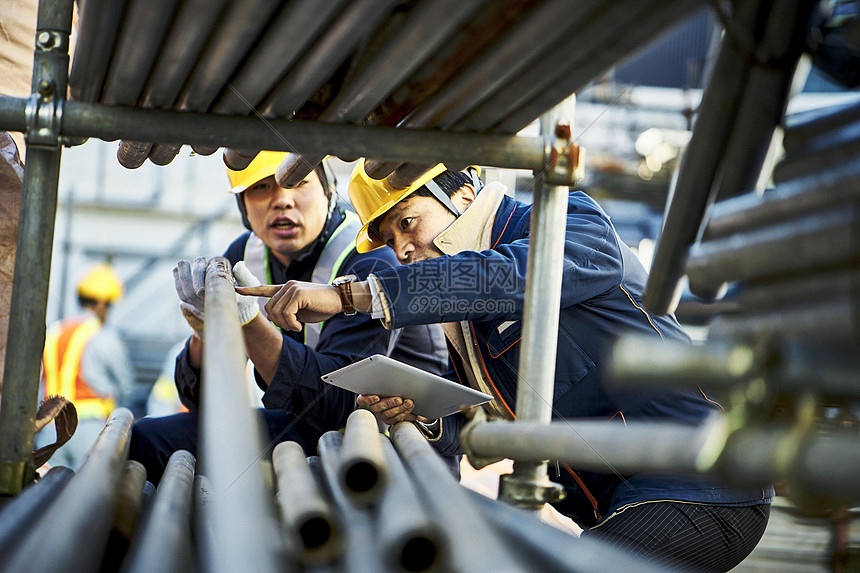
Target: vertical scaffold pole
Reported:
point(35, 241)
point(528, 486)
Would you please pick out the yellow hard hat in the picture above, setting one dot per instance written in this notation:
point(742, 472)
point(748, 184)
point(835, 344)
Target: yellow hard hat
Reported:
point(264, 165)
point(101, 283)
point(371, 198)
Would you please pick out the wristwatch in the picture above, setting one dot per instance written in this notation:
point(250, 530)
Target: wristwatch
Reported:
point(344, 290)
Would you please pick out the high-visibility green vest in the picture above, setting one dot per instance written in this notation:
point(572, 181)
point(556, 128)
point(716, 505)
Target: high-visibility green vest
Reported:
point(338, 247)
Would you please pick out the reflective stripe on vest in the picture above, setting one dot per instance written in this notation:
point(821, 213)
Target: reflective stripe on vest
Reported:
point(339, 245)
point(64, 347)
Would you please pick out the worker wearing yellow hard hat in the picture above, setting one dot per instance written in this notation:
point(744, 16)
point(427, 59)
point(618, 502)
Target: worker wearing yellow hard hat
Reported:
point(296, 233)
point(465, 267)
point(371, 198)
point(101, 283)
point(86, 361)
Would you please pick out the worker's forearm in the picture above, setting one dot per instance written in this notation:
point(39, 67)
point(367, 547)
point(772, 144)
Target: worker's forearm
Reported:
point(263, 344)
point(195, 352)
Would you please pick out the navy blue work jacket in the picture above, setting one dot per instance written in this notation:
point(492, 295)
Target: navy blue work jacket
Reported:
point(602, 285)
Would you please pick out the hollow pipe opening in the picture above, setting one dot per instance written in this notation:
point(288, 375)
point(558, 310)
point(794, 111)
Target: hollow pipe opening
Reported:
point(419, 554)
point(315, 532)
point(361, 477)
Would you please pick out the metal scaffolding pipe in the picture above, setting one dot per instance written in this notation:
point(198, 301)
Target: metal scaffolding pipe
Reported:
point(818, 240)
point(359, 19)
point(108, 123)
point(78, 522)
point(590, 445)
point(407, 173)
point(820, 153)
point(787, 293)
point(304, 510)
point(641, 363)
point(98, 28)
point(295, 167)
point(128, 505)
point(163, 540)
point(294, 29)
point(194, 25)
point(539, 29)
point(590, 18)
point(618, 28)
point(233, 39)
point(163, 153)
point(136, 50)
point(201, 529)
point(132, 154)
point(28, 304)
point(794, 198)
point(241, 513)
point(290, 34)
point(528, 484)
point(427, 27)
point(765, 95)
point(473, 546)
point(818, 469)
point(833, 320)
point(411, 541)
point(361, 550)
point(363, 471)
point(803, 127)
point(691, 194)
point(239, 159)
point(16, 516)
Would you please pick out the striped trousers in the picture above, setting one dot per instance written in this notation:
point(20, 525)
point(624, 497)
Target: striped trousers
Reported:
point(685, 536)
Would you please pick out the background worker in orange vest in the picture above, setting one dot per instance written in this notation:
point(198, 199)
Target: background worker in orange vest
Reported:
point(87, 362)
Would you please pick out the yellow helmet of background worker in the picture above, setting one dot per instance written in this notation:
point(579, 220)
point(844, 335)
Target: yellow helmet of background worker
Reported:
point(101, 283)
point(371, 198)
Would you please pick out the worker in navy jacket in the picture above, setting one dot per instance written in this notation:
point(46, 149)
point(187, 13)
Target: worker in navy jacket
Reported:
point(294, 234)
point(464, 258)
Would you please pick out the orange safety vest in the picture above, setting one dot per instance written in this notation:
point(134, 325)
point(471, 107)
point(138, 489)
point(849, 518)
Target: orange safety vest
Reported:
point(61, 367)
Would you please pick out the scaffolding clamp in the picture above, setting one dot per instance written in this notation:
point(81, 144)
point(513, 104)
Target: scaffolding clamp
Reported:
point(565, 163)
point(529, 493)
point(44, 117)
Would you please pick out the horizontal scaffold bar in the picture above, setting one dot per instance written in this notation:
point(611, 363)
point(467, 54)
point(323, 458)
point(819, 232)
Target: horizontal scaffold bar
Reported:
point(109, 122)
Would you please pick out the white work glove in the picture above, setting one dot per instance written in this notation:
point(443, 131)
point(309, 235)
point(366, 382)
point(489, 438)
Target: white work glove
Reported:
point(248, 306)
point(189, 278)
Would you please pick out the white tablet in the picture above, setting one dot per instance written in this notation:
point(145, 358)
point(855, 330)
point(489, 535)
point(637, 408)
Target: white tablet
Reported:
point(379, 375)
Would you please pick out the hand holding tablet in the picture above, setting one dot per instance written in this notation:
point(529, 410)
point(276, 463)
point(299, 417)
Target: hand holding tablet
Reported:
point(434, 396)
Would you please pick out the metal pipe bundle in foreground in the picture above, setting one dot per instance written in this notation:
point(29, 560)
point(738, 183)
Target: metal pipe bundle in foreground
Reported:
point(306, 513)
point(74, 530)
point(163, 542)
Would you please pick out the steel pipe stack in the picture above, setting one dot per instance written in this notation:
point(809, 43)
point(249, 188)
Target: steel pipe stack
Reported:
point(163, 542)
point(705, 159)
point(78, 522)
point(786, 248)
point(17, 513)
point(314, 529)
